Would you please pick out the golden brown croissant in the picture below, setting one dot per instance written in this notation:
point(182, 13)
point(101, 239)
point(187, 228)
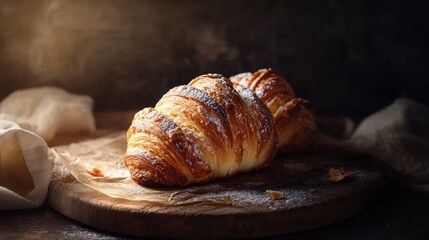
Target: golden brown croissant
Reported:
point(293, 117)
point(199, 132)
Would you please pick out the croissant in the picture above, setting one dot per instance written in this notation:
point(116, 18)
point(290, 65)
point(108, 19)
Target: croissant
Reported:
point(202, 131)
point(293, 117)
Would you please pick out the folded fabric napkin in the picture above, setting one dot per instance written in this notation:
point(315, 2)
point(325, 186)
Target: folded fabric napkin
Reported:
point(25, 167)
point(47, 111)
point(398, 137)
point(29, 118)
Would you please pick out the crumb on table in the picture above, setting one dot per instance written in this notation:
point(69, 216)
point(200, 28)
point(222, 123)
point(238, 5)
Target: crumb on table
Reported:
point(338, 175)
point(275, 195)
point(96, 172)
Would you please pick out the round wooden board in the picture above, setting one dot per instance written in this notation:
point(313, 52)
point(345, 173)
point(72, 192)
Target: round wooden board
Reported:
point(311, 200)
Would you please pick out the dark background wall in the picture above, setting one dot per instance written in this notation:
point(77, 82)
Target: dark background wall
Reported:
point(347, 57)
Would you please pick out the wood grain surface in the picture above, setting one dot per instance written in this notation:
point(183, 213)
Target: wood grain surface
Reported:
point(311, 200)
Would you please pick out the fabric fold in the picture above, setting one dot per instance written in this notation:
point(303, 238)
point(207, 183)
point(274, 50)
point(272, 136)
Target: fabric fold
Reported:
point(26, 166)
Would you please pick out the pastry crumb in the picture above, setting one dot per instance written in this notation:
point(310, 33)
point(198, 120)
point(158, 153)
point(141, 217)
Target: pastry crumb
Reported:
point(338, 175)
point(275, 195)
point(96, 172)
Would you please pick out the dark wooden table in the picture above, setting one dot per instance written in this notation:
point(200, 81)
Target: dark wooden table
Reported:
point(398, 214)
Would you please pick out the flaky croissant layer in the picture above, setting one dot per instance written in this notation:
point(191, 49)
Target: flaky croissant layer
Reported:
point(202, 131)
point(293, 117)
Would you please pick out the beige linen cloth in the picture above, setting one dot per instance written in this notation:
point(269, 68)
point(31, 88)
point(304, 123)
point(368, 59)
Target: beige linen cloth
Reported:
point(29, 118)
point(25, 167)
point(47, 111)
point(398, 138)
